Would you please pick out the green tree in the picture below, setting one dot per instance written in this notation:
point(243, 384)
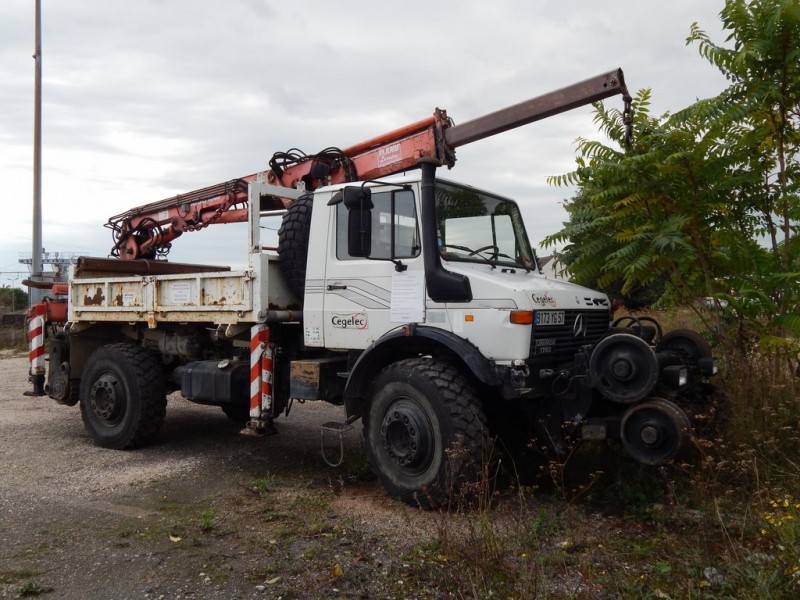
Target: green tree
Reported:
point(13, 298)
point(647, 215)
point(759, 117)
point(706, 199)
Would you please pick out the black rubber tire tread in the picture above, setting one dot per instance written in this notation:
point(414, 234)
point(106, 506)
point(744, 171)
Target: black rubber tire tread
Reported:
point(293, 238)
point(74, 393)
point(141, 376)
point(439, 387)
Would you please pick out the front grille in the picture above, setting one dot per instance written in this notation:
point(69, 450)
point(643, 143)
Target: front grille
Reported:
point(553, 345)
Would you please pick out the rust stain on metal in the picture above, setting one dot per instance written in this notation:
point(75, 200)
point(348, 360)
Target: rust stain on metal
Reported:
point(96, 300)
point(118, 300)
point(305, 374)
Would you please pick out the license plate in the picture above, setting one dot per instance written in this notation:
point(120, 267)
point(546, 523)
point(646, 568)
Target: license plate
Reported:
point(549, 317)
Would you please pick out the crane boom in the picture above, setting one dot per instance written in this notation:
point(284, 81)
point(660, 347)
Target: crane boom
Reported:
point(147, 231)
point(573, 96)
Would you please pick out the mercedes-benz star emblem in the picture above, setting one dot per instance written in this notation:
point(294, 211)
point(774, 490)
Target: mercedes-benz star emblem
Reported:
point(578, 327)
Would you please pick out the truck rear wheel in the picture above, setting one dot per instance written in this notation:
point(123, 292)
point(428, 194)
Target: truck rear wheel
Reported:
point(425, 431)
point(122, 395)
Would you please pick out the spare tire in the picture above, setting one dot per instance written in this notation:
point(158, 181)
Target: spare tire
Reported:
point(293, 237)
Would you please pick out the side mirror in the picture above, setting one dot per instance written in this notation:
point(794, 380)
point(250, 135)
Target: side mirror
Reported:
point(358, 202)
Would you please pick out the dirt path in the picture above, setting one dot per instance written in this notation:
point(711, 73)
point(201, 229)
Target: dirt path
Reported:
point(205, 513)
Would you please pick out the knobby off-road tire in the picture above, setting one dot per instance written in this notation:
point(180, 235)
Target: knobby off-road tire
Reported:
point(293, 237)
point(425, 432)
point(123, 397)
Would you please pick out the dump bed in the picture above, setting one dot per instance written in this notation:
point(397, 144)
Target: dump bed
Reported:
point(158, 291)
point(109, 290)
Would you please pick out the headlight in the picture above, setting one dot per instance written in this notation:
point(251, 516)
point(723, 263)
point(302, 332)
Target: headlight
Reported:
point(707, 366)
point(675, 376)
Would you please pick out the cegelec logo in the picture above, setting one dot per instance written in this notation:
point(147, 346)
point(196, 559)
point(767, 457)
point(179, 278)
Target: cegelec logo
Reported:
point(543, 299)
point(351, 321)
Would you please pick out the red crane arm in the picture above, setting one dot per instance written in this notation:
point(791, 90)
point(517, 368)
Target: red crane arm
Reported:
point(147, 231)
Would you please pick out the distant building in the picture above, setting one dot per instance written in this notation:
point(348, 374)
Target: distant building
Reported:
point(552, 268)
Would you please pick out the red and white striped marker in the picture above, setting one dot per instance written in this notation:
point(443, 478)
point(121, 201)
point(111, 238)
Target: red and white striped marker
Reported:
point(260, 372)
point(36, 341)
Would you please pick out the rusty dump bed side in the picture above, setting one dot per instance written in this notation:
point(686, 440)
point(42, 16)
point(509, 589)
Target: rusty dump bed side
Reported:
point(153, 292)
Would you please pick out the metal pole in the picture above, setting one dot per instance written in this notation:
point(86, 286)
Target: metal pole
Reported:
point(36, 254)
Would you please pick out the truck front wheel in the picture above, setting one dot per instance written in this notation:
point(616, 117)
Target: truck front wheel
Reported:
point(122, 395)
point(425, 431)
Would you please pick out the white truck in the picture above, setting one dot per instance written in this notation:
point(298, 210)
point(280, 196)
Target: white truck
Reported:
point(414, 301)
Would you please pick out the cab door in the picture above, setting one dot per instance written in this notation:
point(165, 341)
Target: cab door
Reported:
point(366, 296)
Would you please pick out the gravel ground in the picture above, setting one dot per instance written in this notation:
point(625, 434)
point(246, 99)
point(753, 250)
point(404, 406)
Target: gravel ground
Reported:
point(78, 521)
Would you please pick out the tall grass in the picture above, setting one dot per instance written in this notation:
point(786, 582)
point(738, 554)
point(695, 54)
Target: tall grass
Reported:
point(760, 444)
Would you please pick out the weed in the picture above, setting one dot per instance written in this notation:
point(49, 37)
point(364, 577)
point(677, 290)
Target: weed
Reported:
point(270, 514)
point(31, 588)
point(207, 520)
point(126, 531)
point(312, 502)
point(263, 485)
point(16, 575)
point(780, 531)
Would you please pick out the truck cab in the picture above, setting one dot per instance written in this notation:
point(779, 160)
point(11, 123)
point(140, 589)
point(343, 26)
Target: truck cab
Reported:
point(495, 304)
point(432, 290)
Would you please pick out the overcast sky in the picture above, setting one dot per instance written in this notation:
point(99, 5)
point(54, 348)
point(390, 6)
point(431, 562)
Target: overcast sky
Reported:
point(143, 100)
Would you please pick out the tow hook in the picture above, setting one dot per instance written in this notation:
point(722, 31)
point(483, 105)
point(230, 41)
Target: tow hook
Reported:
point(519, 373)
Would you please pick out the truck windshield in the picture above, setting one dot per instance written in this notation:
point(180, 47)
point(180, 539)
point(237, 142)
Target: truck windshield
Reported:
point(473, 226)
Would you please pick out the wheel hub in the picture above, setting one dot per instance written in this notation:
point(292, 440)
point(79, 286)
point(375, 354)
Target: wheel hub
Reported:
point(406, 435)
point(649, 435)
point(623, 369)
point(106, 398)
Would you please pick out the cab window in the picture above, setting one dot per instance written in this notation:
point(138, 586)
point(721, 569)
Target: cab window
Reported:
point(395, 232)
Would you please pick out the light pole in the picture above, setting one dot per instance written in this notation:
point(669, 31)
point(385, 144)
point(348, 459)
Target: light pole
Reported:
point(13, 293)
point(36, 255)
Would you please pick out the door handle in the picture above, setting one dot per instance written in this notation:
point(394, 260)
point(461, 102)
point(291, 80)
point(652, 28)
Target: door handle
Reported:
point(337, 287)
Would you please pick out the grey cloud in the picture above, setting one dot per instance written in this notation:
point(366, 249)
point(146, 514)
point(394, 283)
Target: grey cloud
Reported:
point(230, 83)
